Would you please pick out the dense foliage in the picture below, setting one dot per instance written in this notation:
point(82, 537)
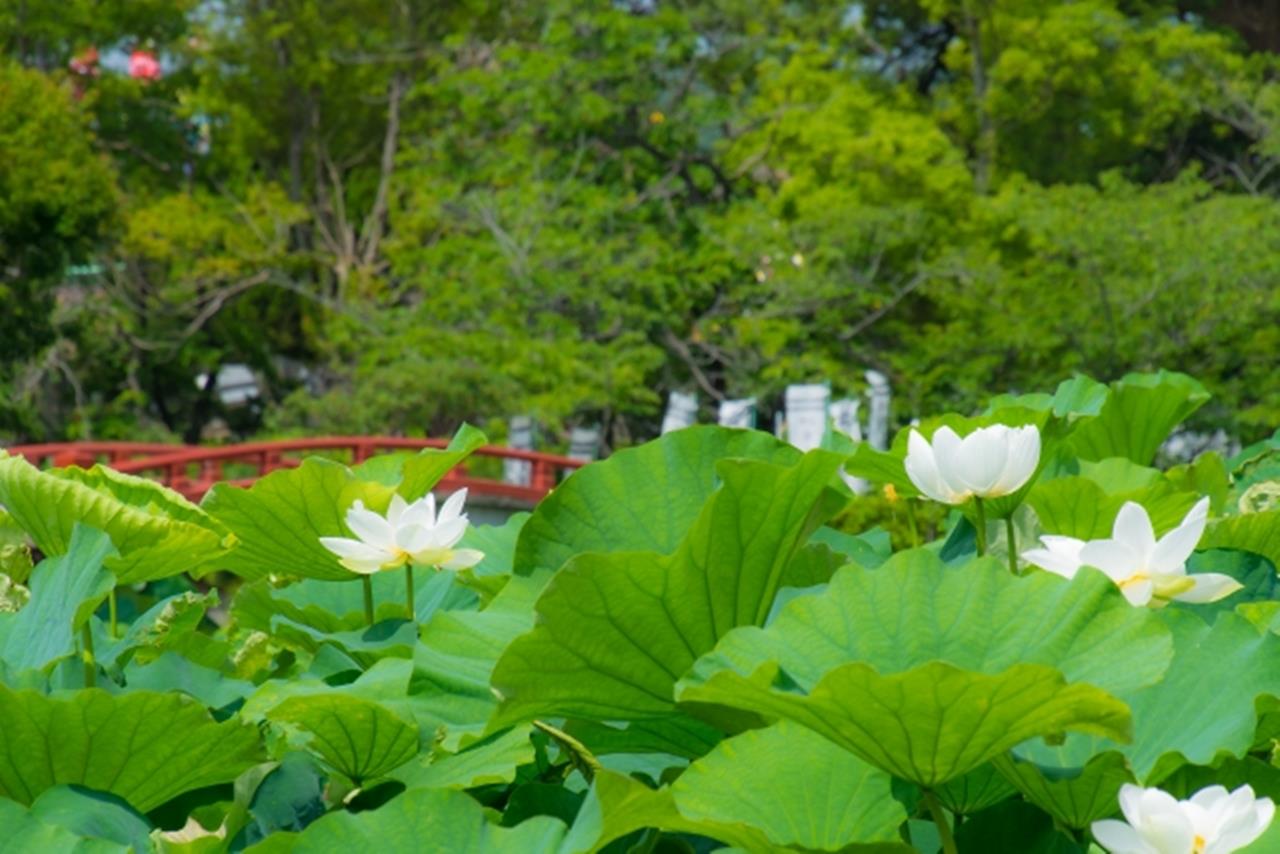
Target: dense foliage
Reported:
point(404, 215)
point(674, 651)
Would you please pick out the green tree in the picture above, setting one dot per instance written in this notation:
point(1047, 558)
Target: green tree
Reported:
point(57, 200)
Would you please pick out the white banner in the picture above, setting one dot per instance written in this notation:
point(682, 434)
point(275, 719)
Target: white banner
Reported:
point(807, 414)
point(738, 413)
point(682, 411)
point(519, 436)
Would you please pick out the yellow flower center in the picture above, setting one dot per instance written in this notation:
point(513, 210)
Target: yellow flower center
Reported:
point(890, 493)
point(402, 557)
point(1136, 578)
point(1197, 845)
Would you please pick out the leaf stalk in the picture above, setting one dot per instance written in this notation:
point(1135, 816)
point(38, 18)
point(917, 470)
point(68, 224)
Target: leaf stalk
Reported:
point(367, 580)
point(940, 819)
point(980, 528)
point(90, 664)
point(1012, 539)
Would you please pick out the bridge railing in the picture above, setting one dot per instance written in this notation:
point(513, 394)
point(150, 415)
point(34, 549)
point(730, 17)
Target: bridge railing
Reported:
point(193, 470)
point(86, 454)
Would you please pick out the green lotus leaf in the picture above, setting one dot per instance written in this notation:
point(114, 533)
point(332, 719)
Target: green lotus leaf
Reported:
point(1241, 464)
point(93, 815)
point(1231, 773)
point(455, 657)
point(1074, 795)
point(976, 790)
point(24, 831)
point(415, 474)
point(639, 499)
point(384, 684)
point(900, 664)
point(915, 609)
point(493, 760)
point(868, 549)
point(157, 533)
point(361, 739)
point(882, 467)
point(171, 625)
point(1251, 532)
point(137, 492)
point(819, 797)
point(1079, 507)
point(143, 747)
point(1119, 474)
point(278, 522)
point(675, 736)
point(498, 542)
point(440, 819)
point(1206, 475)
point(173, 672)
point(537, 798)
point(1015, 826)
point(929, 724)
point(15, 554)
point(279, 796)
point(1138, 416)
point(64, 592)
point(312, 616)
point(617, 805)
point(615, 631)
point(1255, 477)
point(392, 636)
point(1226, 667)
point(1077, 398)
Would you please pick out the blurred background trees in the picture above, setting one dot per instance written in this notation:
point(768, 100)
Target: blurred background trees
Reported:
point(405, 214)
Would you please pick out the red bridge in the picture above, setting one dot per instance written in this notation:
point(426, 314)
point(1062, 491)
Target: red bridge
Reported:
point(193, 469)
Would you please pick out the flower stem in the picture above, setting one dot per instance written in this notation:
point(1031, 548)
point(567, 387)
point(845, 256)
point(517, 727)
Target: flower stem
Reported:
point(911, 523)
point(111, 608)
point(408, 592)
point(980, 529)
point(368, 598)
point(940, 819)
point(90, 665)
point(1012, 542)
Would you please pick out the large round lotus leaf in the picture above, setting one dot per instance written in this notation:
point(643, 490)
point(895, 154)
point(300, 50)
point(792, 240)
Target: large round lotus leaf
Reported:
point(25, 831)
point(928, 671)
point(819, 797)
point(1074, 796)
point(278, 522)
point(143, 747)
point(1204, 709)
point(157, 533)
point(362, 739)
point(929, 724)
point(977, 616)
point(640, 499)
point(980, 788)
point(1138, 415)
point(1079, 507)
point(615, 631)
point(426, 820)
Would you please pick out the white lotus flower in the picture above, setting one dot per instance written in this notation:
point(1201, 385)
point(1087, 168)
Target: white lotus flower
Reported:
point(410, 533)
point(1212, 821)
point(989, 462)
point(1144, 568)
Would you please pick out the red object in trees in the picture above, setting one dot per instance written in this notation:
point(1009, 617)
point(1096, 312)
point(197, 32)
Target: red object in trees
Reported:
point(193, 470)
point(143, 65)
point(85, 63)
